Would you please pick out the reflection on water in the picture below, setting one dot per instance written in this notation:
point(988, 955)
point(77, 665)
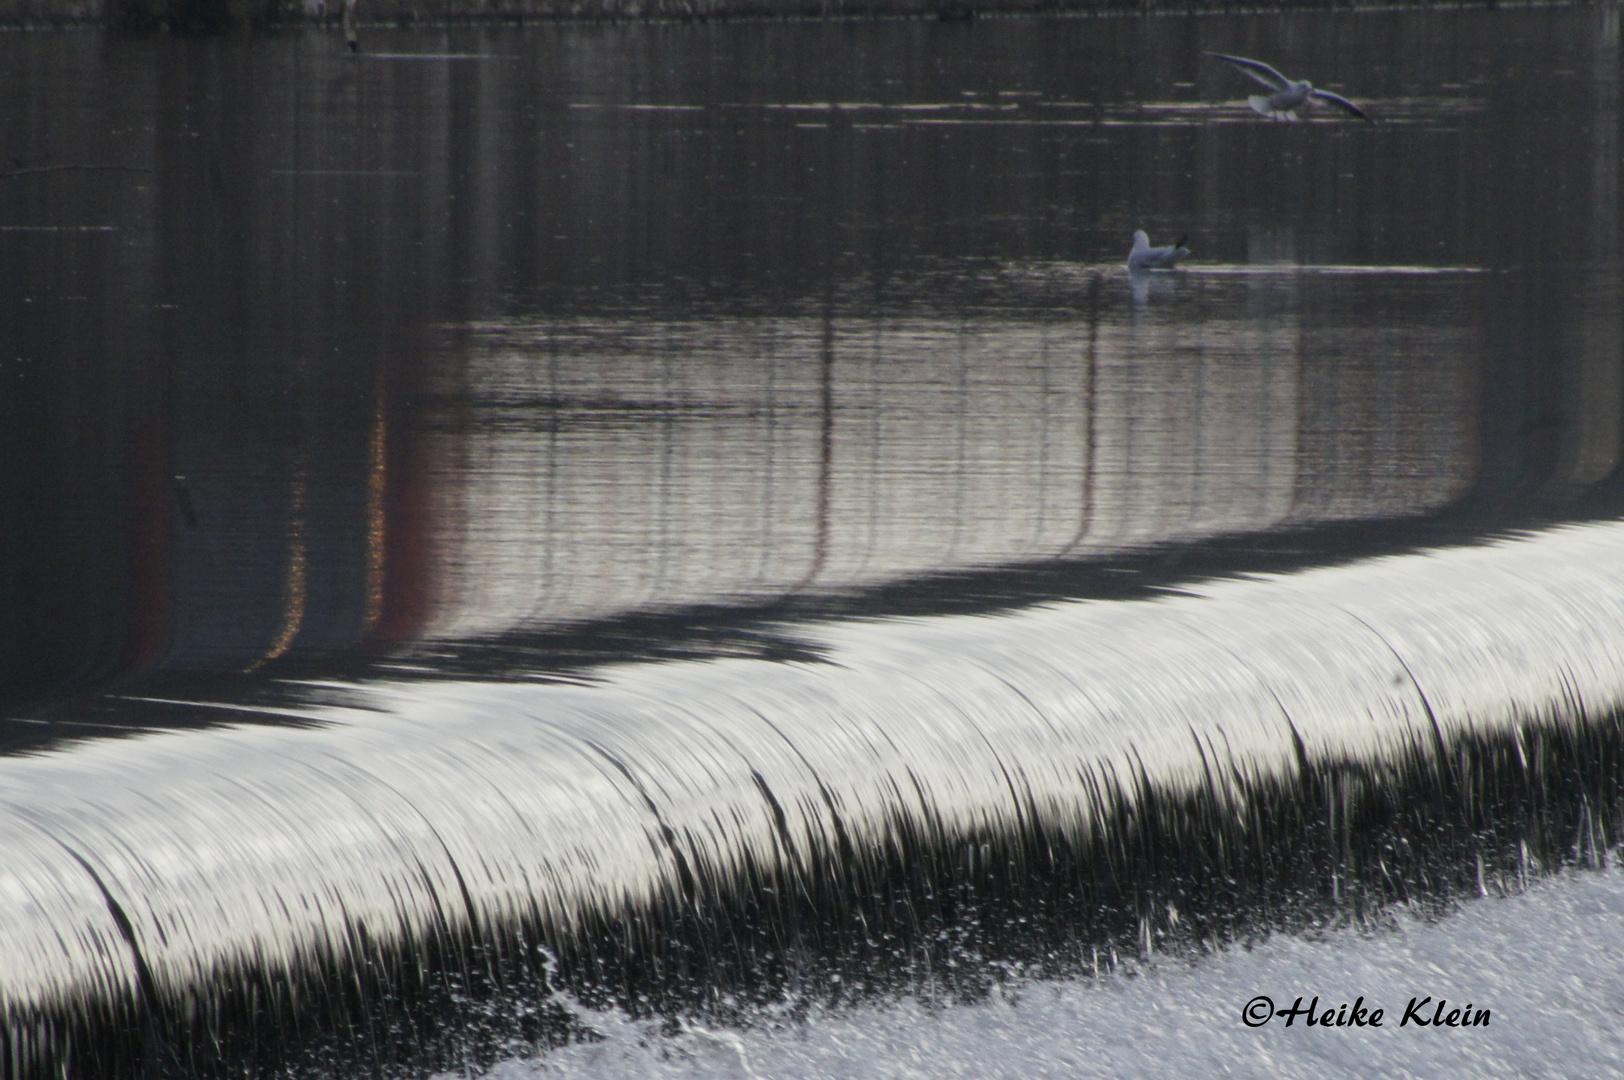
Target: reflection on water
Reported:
point(586, 468)
point(692, 515)
point(439, 349)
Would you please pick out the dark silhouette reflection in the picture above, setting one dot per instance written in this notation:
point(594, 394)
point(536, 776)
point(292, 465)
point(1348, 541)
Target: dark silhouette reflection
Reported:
point(399, 376)
point(307, 435)
point(518, 496)
point(1142, 284)
point(519, 479)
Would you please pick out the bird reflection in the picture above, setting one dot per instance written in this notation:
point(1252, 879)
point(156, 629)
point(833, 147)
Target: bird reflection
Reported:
point(1145, 283)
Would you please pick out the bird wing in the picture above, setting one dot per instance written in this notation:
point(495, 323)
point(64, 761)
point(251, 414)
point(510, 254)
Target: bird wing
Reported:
point(1338, 99)
point(1260, 71)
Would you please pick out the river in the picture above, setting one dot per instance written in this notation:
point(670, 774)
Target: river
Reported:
point(682, 548)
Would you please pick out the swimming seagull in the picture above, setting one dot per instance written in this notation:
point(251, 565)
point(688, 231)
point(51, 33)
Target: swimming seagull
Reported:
point(1288, 95)
point(1145, 257)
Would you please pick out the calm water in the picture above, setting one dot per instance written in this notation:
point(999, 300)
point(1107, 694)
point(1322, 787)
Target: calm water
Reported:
point(527, 530)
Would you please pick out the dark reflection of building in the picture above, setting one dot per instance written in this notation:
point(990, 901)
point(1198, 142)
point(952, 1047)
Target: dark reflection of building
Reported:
point(266, 414)
point(585, 468)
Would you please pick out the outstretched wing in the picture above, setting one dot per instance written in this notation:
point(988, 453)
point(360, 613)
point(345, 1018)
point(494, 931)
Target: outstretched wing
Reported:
point(1260, 71)
point(1338, 99)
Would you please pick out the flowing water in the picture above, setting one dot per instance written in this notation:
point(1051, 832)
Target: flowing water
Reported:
point(682, 549)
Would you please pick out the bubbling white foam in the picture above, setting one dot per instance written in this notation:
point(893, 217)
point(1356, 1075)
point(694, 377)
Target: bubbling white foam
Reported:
point(1544, 963)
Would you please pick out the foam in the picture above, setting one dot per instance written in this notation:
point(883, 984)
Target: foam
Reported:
point(1545, 963)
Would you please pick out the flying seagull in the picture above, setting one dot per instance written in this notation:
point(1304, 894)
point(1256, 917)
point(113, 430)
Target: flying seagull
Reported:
point(1288, 96)
point(1145, 257)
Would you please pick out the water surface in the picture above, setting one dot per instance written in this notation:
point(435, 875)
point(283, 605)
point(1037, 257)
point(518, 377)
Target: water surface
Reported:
point(678, 516)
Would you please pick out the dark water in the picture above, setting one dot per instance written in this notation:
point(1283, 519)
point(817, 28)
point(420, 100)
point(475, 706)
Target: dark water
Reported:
point(708, 503)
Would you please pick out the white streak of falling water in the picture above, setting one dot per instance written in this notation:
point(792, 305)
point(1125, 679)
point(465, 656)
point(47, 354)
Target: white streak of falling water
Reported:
point(262, 844)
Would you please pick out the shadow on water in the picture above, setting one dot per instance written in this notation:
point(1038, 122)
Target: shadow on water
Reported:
point(768, 631)
point(696, 519)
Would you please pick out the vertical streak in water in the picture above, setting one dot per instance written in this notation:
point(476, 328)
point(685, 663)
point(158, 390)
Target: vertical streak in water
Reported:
point(551, 496)
point(160, 496)
point(377, 464)
point(294, 589)
point(1604, 136)
point(873, 439)
point(1594, 404)
point(1091, 356)
point(1046, 399)
point(961, 444)
point(159, 493)
point(826, 443)
point(1303, 458)
point(667, 490)
point(293, 610)
point(778, 426)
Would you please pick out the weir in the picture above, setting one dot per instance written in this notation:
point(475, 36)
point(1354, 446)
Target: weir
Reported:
point(696, 528)
point(909, 804)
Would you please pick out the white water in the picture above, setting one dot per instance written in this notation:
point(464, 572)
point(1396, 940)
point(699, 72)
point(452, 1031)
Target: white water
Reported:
point(251, 845)
point(1545, 963)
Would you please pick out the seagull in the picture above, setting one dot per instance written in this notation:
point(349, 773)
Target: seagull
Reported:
point(1288, 96)
point(1145, 257)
